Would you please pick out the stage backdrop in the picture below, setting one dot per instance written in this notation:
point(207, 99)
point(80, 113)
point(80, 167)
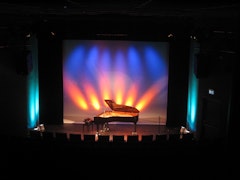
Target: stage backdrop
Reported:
point(132, 73)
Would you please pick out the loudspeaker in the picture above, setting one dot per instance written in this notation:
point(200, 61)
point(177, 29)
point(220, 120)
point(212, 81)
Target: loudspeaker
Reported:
point(213, 63)
point(24, 63)
point(201, 65)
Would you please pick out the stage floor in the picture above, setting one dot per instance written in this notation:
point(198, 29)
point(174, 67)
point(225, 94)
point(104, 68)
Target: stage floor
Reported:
point(113, 129)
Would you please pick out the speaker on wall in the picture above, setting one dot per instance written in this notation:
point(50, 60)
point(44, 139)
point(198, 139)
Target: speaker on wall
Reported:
point(213, 63)
point(24, 63)
point(202, 65)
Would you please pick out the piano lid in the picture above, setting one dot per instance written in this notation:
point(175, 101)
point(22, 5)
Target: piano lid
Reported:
point(119, 107)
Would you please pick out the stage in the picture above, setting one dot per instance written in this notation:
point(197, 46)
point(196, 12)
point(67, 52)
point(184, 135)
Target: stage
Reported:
point(113, 128)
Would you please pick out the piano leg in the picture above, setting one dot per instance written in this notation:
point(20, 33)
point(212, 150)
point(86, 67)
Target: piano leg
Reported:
point(135, 129)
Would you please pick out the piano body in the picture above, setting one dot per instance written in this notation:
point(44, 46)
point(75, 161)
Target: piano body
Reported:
point(119, 113)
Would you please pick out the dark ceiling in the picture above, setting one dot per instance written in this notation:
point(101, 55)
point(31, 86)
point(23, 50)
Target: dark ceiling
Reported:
point(23, 16)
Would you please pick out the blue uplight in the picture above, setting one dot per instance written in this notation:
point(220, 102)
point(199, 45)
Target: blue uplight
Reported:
point(192, 92)
point(33, 90)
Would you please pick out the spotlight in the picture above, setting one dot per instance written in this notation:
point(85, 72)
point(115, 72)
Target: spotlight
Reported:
point(28, 35)
point(184, 130)
point(53, 33)
point(40, 128)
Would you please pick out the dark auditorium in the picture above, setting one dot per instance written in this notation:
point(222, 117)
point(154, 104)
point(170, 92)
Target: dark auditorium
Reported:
point(119, 89)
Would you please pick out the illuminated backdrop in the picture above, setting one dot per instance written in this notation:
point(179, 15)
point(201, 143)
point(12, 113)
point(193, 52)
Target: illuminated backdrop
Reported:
point(133, 73)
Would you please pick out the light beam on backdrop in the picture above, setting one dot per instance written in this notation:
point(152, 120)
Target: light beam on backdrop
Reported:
point(75, 93)
point(131, 73)
point(104, 81)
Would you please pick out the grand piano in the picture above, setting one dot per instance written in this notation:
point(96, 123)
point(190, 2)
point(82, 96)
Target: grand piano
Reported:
point(119, 113)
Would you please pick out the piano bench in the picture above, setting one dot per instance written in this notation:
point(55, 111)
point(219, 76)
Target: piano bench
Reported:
point(88, 123)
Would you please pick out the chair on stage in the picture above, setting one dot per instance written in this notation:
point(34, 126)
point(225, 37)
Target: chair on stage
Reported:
point(103, 138)
point(48, 136)
point(161, 138)
point(89, 138)
point(187, 138)
point(147, 138)
point(132, 138)
point(61, 137)
point(174, 139)
point(88, 122)
point(89, 141)
point(75, 138)
point(35, 135)
point(118, 139)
